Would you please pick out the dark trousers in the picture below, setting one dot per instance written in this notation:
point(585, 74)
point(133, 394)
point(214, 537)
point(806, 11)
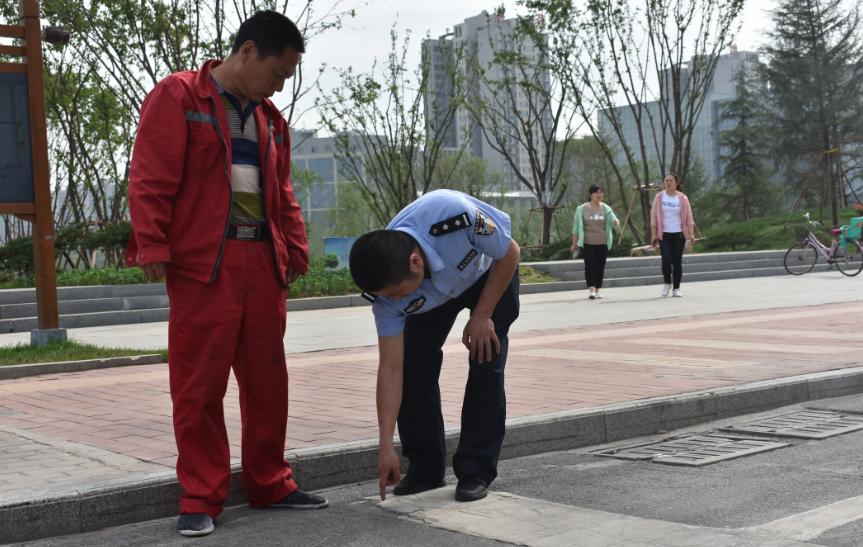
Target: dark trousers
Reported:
point(420, 423)
point(594, 264)
point(671, 246)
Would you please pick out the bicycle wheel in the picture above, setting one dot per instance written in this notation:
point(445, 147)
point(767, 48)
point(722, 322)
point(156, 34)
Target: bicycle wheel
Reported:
point(800, 258)
point(851, 262)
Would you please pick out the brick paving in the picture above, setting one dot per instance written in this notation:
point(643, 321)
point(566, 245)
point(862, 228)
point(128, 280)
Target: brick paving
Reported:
point(80, 429)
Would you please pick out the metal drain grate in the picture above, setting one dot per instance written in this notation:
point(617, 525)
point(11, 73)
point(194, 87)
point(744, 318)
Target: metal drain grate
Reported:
point(695, 450)
point(804, 424)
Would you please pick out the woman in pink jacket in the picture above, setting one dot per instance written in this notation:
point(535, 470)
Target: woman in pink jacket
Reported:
point(672, 228)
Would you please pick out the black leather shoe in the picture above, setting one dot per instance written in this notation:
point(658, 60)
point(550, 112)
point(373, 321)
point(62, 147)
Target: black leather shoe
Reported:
point(470, 489)
point(408, 486)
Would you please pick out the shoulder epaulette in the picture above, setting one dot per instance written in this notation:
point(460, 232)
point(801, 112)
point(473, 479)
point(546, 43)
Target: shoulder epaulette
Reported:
point(450, 225)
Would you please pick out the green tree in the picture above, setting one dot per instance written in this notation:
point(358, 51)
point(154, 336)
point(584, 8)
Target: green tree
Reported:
point(643, 70)
point(386, 144)
point(352, 215)
point(815, 73)
point(522, 107)
point(586, 164)
point(745, 191)
point(467, 173)
point(119, 50)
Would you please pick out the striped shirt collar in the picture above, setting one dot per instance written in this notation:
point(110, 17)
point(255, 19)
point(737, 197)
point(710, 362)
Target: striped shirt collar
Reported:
point(235, 102)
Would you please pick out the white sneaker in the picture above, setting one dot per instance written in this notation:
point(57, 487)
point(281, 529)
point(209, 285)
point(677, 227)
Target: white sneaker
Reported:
point(592, 295)
point(665, 290)
point(676, 293)
point(598, 296)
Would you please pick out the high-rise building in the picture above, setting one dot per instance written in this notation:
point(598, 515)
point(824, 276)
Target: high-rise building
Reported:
point(475, 42)
point(708, 126)
point(319, 156)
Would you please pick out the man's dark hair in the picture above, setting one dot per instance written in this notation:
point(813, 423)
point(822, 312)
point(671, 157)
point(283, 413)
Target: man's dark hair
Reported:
point(593, 189)
point(271, 32)
point(381, 259)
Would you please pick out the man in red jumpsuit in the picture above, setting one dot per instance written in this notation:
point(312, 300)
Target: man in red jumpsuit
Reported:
point(213, 211)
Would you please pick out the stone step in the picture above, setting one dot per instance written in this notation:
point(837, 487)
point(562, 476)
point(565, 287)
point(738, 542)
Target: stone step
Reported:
point(688, 268)
point(28, 296)
point(552, 267)
point(74, 307)
point(97, 319)
point(656, 279)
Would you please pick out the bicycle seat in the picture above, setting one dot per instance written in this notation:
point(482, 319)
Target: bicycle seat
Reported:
point(836, 231)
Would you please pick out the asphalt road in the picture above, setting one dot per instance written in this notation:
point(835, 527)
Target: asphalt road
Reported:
point(809, 492)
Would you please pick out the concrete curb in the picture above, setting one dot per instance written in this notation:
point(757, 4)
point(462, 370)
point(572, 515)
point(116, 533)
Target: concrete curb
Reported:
point(327, 466)
point(11, 372)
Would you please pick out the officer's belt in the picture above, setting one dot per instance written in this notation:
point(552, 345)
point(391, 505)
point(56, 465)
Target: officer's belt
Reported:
point(249, 232)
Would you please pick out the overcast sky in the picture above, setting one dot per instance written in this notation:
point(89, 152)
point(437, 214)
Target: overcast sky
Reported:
point(366, 36)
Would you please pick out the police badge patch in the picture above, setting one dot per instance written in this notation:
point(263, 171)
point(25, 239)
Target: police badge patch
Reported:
point(415, 304)
point(483, 225)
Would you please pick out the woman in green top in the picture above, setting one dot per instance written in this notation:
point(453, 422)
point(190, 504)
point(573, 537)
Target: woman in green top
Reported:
point(592, 232)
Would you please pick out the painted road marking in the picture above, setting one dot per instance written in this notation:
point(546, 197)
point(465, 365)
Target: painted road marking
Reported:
point(539, 523)
point(814, 523)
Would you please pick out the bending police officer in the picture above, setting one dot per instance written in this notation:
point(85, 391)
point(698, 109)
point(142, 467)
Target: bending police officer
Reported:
point(444, 252)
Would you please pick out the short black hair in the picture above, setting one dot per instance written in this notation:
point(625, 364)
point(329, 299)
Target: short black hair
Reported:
point(381, 259)
point(271, 32)
point(594, 189)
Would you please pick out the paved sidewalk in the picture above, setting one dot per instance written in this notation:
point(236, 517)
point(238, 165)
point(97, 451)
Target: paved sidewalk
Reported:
point(83, 430)
point(315, 330)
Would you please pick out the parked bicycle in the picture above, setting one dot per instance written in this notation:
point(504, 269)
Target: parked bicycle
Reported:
point(845, 252)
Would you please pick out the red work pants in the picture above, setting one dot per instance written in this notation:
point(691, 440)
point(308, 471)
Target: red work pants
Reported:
point(236, 322)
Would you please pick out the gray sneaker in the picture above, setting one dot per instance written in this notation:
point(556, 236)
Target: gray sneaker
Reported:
point(195, 524)
point(300, 500)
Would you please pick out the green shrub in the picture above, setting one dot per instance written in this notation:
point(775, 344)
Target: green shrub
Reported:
point(763, 233)
point(16, 257)
point(101, 276)
point(322, 281)
point(556, 250)
point(74, 278)
point(528, 274)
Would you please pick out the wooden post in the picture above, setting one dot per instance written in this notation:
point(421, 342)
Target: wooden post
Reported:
point(43, 225)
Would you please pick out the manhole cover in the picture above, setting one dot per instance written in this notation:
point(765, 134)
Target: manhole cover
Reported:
point(695, 450)
point(804, 424)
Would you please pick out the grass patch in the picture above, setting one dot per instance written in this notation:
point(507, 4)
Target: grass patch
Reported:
point(765, 233)
point(65, 351)
point(528, 274)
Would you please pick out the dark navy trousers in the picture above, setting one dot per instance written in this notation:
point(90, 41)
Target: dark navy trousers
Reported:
point(483, 416)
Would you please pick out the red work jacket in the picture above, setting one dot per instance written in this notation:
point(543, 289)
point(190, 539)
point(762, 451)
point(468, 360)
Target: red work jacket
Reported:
point(180, 180)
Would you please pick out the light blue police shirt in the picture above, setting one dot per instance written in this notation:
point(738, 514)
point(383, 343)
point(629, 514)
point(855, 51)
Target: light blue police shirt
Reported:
point(460, 236)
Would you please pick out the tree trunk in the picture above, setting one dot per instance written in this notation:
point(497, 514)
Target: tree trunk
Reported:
point(547, 214)
point(831, 192)
point(645, 214)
